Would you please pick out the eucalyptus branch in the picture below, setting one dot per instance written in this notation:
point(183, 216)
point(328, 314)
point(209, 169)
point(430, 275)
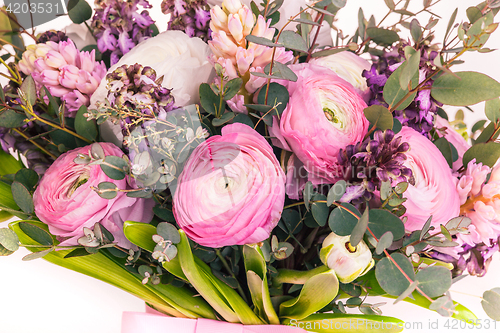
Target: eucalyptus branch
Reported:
point(320, 22)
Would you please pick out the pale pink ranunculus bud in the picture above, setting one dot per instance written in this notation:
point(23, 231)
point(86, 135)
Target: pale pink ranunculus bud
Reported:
point(231, 190)
point(65, 201)
point(66, 72)
point(323, 116)
point(434, 192)
point(350, 67)
point(347, 261)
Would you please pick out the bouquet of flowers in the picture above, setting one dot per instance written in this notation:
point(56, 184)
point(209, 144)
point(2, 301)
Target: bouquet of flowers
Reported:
point(253, 165)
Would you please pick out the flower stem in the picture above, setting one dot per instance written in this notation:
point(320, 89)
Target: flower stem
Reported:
point(35, 143)
point(230, 271)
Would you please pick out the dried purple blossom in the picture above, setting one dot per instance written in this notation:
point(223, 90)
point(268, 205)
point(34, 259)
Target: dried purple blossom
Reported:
point(119, 26)
point(190, 16)
point(53, 36)
point(367, 164)
point(419, 115)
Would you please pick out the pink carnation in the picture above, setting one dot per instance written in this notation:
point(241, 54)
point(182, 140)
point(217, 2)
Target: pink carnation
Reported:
point(324, 114)
point(231, 191)
point(434, 192)
point(66, 202)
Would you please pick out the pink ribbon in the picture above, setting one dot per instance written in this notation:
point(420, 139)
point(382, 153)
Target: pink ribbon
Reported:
point(138, 322)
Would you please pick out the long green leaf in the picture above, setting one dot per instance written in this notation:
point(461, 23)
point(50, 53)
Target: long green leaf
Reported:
point(255, 264)
point(317, 292)
point(9, 164)
point(220, 296)
point(100, 267)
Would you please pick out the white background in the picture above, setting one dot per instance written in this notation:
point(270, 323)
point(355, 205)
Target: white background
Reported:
point(37, 296)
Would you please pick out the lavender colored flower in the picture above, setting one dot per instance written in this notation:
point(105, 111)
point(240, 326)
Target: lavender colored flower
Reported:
point(419, 115)
point(367, 164)
point(119, 26)
point(190, 16)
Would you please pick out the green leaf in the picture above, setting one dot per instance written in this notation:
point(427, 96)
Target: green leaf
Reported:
point(425, 228)
point(107, 269)
point(22, 197)
point(308, 193)
point(168, 232)
point(347, 323)
point(492, 110)
point(382, 221)
point(486, 153)
point(164, 214)
point(317, 292)
point(262, 41)
point(140, 234)
point(491, 303)
point(410, 69)
point(384, 242)
point(336, 192)
point(343, 219)
point(83, 126)
point(390, 278)
point(219, 295)
point(226, 117)
point(255, 265)
point(9, 163)
point(416, 32)
point(445, 148)
point(320, 210)
point(467, 89)
point(117, 169)
point(11, 119)
point(4, 252)
point(28, 87)
point(487, 133)
point(79, 11)
point(243, 119)
point(283, 71)
point(390, 4)
point(9, 239)
point(39, 235)
point(208, 99)
point(232, 87)
point(292, 221)
point(107, 190)
point(393, 93)
point(277, 96)
point(450, 24)
point(37, 254)
point(293, 41)
point(473, 14)
point(379, 116)
point(382, 36)
point(27, 177)
point(360, 229)
point(6, 198)
point(434, 280)
point(80, 252)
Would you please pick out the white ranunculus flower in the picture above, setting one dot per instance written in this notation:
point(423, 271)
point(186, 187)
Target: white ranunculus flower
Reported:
point(348, 66)
point(182, 61)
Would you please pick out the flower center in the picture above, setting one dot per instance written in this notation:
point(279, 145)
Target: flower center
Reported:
point(333, 113)
point(349, 247)
point(82, 179)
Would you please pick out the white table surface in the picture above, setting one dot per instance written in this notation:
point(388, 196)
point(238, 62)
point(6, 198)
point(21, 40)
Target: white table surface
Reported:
point(37, 296)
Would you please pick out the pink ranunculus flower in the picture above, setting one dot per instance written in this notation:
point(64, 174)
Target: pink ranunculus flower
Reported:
point(434, 192)
point(453, 137)
point(324, 114)
point(66, 202)
point(231, 190)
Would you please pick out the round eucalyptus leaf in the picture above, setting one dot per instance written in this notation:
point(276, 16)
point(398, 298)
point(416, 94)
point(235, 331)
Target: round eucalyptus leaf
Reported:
point(390, 278)
point(168, 232)
point(434, 280)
